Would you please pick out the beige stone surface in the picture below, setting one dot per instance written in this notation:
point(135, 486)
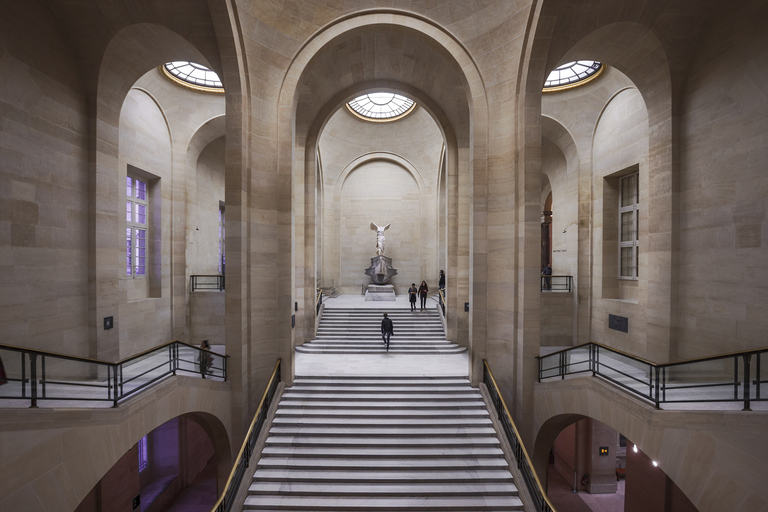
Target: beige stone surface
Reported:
point(683, 99)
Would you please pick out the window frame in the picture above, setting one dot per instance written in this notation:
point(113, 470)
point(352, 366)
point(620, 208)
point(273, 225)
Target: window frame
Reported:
point(137, 246)
point(631, 207)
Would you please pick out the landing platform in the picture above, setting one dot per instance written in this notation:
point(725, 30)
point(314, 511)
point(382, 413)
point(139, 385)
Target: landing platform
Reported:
point(385, 363)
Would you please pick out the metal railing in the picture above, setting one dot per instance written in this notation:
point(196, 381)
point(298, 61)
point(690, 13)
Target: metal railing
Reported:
point(39, 375)
point(721, 378)
point(540, 501)
point(214, 282)
point(441, 299)
point(318, 301)
point(228, 496)
point(556, 283)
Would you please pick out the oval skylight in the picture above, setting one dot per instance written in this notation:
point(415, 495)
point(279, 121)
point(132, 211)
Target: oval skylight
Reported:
point(572, 74)
point(193, 75)
point(381, 106)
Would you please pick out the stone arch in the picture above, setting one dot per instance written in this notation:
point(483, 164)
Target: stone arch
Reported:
point(634, 49)
point(130, 53)
point(700, 460)
point(314, 87)
point(370, 157)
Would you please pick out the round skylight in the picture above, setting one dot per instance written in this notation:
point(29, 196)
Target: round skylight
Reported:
point(193, 75)
point(381, 106)
point(573, 73)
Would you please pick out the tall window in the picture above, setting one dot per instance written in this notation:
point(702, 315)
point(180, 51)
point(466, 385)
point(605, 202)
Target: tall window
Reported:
point(222, 252)
point(629, 208)
point(136, 213)
point(143, 454)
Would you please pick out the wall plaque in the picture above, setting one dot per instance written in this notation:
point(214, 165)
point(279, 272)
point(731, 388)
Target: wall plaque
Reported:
point(618, 323)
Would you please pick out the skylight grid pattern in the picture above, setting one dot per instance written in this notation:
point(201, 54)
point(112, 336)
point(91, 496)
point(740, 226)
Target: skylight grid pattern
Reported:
point(195, 74)
point(381, 105)
point(572, 72)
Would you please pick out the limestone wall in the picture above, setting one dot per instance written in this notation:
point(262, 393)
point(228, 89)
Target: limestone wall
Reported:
point(44, 179)
point(724, 190)
point(386, 173)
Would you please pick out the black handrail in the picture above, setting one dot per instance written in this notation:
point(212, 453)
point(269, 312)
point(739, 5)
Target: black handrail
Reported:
point(535, 489)
point(111, 377)
point(318, 301)
point(653, 381)
point(556, 283)
point(228, 496)
point(207, 282)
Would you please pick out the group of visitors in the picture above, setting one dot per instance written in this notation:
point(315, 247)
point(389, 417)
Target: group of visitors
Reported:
point(422, 292)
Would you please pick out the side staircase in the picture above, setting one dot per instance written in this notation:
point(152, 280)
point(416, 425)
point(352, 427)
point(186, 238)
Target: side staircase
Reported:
point(358, 331)
point(382, 444)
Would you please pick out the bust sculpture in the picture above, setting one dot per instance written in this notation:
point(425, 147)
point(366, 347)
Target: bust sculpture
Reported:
point(379, 238)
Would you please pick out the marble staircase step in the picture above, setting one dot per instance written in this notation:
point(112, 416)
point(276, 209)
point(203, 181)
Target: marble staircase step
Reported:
point(355, 464)
point(415, 488)
point(386, 476)
point(277, 440)
point(388, 504)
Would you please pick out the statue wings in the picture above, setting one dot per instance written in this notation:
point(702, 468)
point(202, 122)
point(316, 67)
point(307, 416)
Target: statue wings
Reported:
point(377, 228)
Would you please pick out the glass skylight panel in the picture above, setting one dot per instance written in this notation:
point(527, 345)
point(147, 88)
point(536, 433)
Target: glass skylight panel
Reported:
point(381, 106)
point(194, 74)
point(572, 72)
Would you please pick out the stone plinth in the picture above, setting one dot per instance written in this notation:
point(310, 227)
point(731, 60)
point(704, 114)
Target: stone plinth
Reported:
point(378, 292)
point(381, 270)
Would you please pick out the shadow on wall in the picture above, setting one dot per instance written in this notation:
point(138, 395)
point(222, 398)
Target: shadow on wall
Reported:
point(175, 462)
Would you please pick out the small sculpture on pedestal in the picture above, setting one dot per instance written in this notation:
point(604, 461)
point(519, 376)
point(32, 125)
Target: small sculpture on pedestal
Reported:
point(381, 270)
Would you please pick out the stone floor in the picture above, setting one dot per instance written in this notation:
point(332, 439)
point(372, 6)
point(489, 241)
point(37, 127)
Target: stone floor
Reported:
point(564, 499)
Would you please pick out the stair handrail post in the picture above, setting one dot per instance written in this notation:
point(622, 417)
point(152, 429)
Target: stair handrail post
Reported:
point(747, 361)
point(33, 380)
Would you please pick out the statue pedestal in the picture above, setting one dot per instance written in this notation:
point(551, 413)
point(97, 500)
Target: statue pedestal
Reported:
point(377, 292)
point(381, 270)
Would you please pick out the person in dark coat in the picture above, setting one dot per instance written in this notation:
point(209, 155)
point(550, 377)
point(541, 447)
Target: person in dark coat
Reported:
point(441, 284)
point(387, 329)
point(423, 290)
point(412, 293)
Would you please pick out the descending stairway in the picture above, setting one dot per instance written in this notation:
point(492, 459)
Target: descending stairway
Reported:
point(382, 443)
point(358, 331)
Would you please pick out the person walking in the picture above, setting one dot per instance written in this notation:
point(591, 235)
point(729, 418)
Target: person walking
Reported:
point(441, 284)
point(423, 290)
point(387, 329)
point(205, 358)
point(412, 293)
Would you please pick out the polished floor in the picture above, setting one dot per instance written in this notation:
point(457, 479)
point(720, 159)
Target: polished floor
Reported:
point(565, 500)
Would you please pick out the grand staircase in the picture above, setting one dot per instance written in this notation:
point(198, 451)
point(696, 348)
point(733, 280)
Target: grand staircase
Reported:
point(358, 331)
point(382, 444)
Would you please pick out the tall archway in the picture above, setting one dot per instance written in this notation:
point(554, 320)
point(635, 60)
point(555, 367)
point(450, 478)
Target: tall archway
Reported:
point(330, 64)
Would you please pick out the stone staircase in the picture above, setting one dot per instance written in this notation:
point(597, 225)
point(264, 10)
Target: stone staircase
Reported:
point(358, 331)
point(382, 444)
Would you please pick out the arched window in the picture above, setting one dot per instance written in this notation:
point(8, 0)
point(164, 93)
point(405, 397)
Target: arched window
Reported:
point(381, 106)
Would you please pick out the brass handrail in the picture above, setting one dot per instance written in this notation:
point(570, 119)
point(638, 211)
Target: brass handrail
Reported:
point(517, 433)
point(658, 365)
point(247, 436)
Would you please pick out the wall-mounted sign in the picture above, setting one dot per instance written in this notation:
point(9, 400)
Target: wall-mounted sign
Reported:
point(618, 323)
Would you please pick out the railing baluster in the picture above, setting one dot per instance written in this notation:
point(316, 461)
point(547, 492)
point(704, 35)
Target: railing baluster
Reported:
point(23, 376)
point(757, 376)
point(657, 386)
point(747, 360)
point(33, 379)
point(42, 371)
point(735, 378)
point(115, 395)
